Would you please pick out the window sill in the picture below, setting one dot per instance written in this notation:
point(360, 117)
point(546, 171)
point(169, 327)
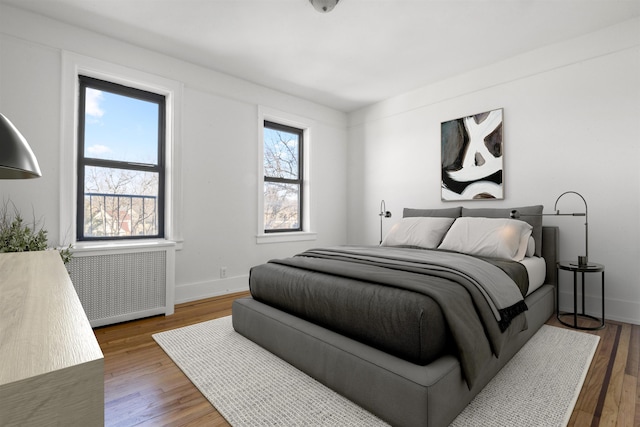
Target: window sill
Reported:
point(150, 244)
point(285, 237)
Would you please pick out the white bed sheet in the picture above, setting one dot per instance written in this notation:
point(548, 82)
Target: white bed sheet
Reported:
point(537, 270)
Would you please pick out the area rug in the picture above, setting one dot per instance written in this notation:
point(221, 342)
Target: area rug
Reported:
point(251, 387)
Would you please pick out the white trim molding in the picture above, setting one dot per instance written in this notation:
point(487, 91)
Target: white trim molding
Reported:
point(74, 65)
point(288, 119)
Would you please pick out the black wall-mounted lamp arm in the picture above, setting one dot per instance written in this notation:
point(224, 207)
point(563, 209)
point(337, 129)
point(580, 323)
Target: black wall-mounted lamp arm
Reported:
point(583, 260)
point(384, 213)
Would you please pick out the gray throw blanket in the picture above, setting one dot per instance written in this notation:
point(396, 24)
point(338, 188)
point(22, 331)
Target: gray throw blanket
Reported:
point(482, 313)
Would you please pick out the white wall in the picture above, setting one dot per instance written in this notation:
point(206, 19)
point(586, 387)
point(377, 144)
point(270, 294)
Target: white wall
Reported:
point(219, 141)
point(571, 122)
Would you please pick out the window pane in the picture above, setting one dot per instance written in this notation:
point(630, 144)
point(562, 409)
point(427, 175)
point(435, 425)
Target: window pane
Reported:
point(281, 206)
point(281, 154)
point(120, 202)
point(120, 128)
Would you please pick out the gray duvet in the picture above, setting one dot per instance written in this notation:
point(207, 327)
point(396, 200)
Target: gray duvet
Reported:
point(415, 304)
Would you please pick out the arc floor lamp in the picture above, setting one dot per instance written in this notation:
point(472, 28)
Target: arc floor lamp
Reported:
point(583, 260)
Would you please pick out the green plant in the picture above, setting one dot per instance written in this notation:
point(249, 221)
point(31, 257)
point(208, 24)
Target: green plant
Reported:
point(16, 236)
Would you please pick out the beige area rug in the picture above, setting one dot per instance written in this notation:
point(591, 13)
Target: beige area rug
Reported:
point(251, 387)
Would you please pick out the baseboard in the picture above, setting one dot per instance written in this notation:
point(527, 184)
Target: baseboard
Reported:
point(126, 317)
point(213, 288)
point(614, 309)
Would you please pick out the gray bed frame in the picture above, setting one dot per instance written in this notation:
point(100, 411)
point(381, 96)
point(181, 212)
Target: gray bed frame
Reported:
point(399, 392)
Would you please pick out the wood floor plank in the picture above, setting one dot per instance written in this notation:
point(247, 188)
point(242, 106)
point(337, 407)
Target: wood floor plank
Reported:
point(580, 418)
point(613, 398)
point(634, 371)
point(633, 359)
point(143, 387)
point(591, 391)
point(626, 413)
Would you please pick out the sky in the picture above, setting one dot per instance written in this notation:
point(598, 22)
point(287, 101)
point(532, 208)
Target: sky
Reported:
point(120, 128)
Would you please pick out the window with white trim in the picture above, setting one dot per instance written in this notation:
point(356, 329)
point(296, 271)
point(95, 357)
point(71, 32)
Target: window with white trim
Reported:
point(75, 66)
point(121, 170)
point(284, 184)
point(283, 177)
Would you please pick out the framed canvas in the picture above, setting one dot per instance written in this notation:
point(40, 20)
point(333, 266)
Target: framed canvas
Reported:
point(471, 157)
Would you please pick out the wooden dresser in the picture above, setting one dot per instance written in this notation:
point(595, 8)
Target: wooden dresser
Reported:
point(51, 366)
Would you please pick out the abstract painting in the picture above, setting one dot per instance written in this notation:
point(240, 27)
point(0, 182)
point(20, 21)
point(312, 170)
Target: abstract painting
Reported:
point(472, 166)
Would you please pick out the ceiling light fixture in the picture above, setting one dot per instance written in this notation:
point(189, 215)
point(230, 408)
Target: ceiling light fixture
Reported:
point(324, 6)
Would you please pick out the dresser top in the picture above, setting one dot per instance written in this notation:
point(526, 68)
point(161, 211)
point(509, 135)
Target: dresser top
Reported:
point(43, 326)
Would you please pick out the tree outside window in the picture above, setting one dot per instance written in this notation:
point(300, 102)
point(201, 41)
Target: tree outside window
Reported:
point(120, 162)
point(282, 178)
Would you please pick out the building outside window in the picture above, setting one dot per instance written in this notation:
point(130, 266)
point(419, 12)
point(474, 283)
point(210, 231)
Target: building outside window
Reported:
point(121, 156)
point(283, 178)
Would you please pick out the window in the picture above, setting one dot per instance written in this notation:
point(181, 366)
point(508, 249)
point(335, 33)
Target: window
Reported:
point(283, 177)
point(121, 155)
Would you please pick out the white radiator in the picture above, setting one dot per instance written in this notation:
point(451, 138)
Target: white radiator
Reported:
point(124, 282)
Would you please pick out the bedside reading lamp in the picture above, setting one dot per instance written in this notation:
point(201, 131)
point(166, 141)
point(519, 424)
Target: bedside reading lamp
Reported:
point(384, 213)
point(583, 260)
point(17, 161)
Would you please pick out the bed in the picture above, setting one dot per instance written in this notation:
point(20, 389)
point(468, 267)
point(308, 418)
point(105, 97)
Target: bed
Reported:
point(413, 329)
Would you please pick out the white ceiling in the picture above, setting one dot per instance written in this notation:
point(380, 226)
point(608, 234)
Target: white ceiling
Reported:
point(362, 52)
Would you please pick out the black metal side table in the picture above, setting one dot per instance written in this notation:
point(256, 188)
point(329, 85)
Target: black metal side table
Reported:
point(575, 268)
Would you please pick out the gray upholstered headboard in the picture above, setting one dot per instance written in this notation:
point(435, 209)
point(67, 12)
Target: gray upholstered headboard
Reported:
point(531, 214)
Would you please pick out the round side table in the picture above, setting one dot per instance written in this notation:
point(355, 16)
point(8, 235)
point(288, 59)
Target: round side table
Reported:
point(575, 268)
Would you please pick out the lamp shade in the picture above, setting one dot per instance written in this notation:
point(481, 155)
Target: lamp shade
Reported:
point(17, 161)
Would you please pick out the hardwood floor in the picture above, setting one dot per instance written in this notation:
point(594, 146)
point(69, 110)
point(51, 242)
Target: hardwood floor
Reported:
point(610, 395)
point(144, 387)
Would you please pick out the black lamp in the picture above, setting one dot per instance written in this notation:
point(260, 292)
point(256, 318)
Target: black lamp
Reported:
point(583, 260)
point(17, 161)
point(384, 213)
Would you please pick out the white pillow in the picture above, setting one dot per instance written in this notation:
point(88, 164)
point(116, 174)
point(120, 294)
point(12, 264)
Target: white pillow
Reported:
point(531, 247)
point(424, 232)
point(490, 237)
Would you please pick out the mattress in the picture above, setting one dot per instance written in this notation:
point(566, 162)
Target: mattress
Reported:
point(412, 327)
point(414, 304)
point(536, 272)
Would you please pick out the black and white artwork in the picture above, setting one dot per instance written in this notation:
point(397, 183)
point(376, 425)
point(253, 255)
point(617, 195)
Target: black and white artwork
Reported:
point(472, 166)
